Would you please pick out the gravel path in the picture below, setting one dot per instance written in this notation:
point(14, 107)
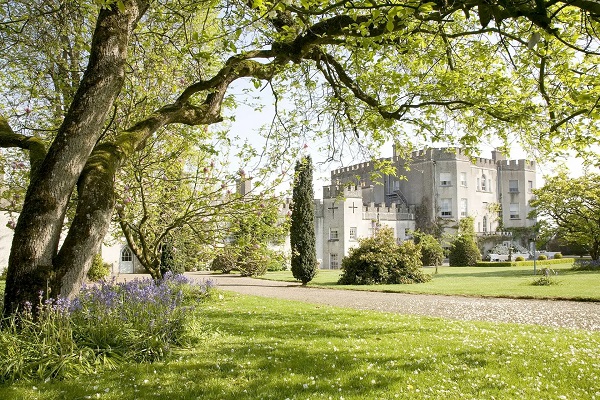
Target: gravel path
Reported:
point(554, 313)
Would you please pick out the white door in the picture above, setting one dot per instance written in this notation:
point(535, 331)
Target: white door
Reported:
point(126, 263)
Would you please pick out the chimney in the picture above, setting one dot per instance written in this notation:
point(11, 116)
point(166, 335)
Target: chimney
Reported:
point(244, 185)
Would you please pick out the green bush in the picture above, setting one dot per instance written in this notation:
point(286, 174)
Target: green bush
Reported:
point(277, 261)
point(519, 258)
point(542, 257)
point(252, 261)
point(432, 253)
point(528, 263)
point(558, 256)
point(464, 252)
point(545, 280)
point(168, 263)
point(380, 260)
point(407, 270)
point(99, 269)
point(225, 262)
point(3, 274)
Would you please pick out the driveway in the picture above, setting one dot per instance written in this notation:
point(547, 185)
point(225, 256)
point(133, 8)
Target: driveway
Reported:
point(554, 313)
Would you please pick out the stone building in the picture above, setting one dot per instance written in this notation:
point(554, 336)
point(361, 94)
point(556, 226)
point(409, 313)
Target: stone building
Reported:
point(435, 186)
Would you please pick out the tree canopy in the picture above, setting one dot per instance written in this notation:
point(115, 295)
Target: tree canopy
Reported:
point(571, 207)
point(84, 85)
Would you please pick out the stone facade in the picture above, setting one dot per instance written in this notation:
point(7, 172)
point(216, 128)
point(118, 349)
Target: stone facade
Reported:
point(445, 183)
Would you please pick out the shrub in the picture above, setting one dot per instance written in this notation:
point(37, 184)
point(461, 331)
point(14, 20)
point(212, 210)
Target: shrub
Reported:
point(432, 253)
point(3, 274)
point(542, 257)
point(544, 281)
point(407, 270)
point(464, 252)
point(519, 258)
point(99, 269)
point(379, 259)
point(252, 261)
point(168, 263)
point(225, 262)
point(277, 261)
point(558, 256)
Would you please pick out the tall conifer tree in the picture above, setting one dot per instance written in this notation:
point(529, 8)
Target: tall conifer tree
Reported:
point(302, 228)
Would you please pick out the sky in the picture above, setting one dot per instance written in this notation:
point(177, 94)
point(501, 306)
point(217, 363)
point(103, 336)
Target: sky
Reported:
point(248, 121)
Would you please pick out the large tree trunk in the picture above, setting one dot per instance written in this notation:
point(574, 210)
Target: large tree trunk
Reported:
point(37, 234)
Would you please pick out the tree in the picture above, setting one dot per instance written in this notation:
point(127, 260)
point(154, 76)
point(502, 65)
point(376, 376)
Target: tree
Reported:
point(463, 249)
point(572, 208)
point(484, 70)
point(463, 252)
point(432, 253)
point(302, 227)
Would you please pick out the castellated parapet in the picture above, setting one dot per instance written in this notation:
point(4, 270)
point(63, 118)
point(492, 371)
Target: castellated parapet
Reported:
point(517, 165)
point(342, 191)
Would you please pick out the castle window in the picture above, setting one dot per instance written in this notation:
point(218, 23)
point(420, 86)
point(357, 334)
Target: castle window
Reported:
point(463, 207)
point(333, 234)
point(445, 179)
point(513, 186)
point(334, 262)
point(530, 186)
point(446, 207)
point(484, 187)
point(126, 255)
point(514, 210)
point(463, 179)
point(353, 235)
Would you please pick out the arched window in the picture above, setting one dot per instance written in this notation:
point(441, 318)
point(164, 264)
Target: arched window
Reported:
point(126, 254)
point(483, 183)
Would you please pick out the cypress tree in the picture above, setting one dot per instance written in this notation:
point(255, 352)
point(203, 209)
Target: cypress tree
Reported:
point(302, 228)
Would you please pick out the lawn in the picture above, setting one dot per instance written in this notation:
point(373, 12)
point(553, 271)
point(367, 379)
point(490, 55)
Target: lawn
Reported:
point(479, 281)
point(258, 348)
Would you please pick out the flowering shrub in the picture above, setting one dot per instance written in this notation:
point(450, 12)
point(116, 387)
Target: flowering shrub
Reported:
point(138, 320)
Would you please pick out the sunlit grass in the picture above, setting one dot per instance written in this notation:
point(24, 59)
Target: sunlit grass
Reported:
point(478, 281)
point(259, 348)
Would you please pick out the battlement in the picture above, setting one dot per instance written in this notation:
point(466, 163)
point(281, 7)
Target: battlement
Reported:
point(517, 165)
point(344, 191)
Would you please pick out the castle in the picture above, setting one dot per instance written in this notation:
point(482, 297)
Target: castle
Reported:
point(433, 186)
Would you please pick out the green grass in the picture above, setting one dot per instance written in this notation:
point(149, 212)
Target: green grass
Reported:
point(259, 348)
point(478, 281)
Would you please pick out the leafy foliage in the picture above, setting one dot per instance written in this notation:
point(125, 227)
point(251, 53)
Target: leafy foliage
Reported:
point(302, 228)
point(524, 71)
point(379, 259)
point(432, 253)
point(463, 252)
point(99, 269)
point(225, 261)
point(572, 206)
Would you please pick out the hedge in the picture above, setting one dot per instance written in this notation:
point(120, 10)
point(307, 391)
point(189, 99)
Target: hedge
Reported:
point(529, 263)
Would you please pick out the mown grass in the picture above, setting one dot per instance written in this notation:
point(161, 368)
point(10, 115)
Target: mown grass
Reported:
point(259, 348)
point(478, 281)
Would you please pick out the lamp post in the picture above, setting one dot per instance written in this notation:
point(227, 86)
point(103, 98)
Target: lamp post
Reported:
point(532, 241)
